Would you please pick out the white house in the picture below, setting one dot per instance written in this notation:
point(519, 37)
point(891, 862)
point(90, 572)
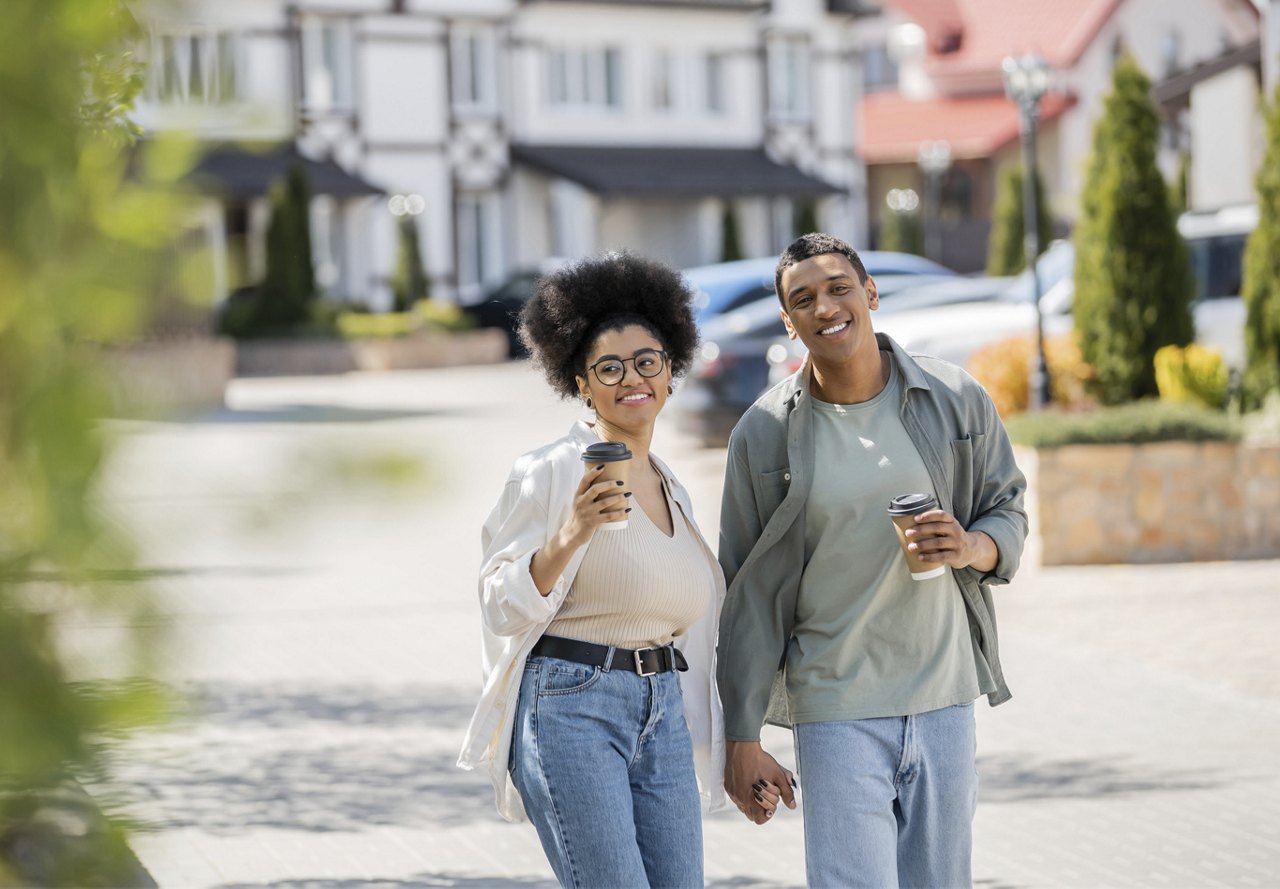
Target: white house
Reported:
point(512, 131)
point(935, 75)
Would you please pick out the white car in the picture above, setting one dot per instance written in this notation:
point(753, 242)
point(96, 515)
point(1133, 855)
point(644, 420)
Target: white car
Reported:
point(1216, 241)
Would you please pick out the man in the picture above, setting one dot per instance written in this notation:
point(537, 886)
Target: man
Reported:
point(876, 673)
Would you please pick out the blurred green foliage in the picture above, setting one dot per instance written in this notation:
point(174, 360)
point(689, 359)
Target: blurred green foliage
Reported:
point(1193, 375)
point(409, 284)
point(84, 221)
point(1261, 286)
point(730, 237)
point(1138, 422)
point(902, 231)
point(1006, 252)
point(1132, 273)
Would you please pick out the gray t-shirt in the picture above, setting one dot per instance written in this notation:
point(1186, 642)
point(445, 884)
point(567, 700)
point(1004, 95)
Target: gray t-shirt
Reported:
point(869, 640)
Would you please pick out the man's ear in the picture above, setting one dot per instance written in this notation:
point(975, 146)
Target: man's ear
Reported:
point(873, 295)
point(786, 322)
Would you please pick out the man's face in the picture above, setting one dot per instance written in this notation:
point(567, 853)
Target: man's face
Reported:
point(828, 308)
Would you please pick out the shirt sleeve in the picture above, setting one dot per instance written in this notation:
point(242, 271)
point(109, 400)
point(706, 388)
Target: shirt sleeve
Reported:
point(1000, 508)
point(756, 621)
point(513, 533)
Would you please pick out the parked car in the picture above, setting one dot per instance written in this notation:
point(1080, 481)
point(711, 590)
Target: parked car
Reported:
point(731, 369)
point(1216, 244)
point(1055, 265)
point(726, 286)
point(500, 307)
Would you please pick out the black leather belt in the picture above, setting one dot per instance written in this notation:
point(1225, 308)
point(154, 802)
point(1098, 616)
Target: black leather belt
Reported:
point(645, 661)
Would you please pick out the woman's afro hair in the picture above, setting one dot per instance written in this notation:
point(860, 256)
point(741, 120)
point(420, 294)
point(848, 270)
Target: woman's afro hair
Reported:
point(574, 305)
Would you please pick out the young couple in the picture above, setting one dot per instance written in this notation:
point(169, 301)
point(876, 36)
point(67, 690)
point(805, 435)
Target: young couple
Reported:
point(609, 654)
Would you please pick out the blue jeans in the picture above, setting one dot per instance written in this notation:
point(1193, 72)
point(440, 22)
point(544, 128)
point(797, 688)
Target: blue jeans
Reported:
point(604, 766)
point(889, 802)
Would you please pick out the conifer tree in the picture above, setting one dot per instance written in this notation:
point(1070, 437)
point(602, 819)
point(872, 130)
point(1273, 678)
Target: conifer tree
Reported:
point(730, 240)
point(806, 218)
point(1261, 285)
point(901, 231)
point(410, 282)
point(289, 285)
point(1006, 250)
point(1132, 272)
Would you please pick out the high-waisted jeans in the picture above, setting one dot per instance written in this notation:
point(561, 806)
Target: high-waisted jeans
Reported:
point(604, 766)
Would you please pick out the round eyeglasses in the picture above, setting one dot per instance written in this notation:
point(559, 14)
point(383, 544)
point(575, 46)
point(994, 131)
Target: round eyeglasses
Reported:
point(647, 362)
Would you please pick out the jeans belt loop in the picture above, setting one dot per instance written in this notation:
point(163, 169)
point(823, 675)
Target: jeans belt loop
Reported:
point(608, 659)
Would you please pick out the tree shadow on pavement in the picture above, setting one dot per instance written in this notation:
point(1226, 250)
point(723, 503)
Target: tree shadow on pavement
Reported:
point(302, 757)
point(1019, 778)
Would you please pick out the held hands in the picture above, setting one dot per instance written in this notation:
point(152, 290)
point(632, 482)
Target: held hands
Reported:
point(755, 782)
point(938, 537)
point(595, 503)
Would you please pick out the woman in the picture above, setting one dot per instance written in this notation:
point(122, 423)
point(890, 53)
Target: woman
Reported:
point(590, 722)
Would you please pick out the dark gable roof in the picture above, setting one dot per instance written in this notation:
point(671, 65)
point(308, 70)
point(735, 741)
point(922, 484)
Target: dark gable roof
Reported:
point(671, 171)
point(245, 172)
point(1176, 88)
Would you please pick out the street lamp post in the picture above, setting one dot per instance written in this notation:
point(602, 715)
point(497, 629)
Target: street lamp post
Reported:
point(934, 158)
point(1025, 81)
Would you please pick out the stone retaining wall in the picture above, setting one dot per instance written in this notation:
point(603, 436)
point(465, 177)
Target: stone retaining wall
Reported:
point(261, 358)
point(168, 376)
point(1166, 502)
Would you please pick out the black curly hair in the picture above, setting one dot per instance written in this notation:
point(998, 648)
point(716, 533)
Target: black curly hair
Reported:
point(811, 245)
point(573, 306)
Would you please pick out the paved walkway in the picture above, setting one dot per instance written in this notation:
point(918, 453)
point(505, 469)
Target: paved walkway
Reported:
point(315, 546)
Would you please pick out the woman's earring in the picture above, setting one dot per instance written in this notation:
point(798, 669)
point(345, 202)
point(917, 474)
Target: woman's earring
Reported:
point(590, 406)
point(671, 390)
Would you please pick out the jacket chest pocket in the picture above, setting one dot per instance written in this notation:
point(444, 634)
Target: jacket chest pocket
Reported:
point(771, 490)
point(965, 454)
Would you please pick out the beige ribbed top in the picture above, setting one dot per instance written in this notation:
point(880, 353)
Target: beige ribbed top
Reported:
point(637, 587)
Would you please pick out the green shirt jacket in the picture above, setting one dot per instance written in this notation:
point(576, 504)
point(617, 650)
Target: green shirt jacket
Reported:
point(770, 470)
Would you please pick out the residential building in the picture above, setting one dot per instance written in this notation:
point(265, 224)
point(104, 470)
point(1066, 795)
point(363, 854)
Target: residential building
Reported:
point(512, 130)
point(934, 76)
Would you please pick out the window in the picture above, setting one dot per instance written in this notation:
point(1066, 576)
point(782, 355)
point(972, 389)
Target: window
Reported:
point(1171, 50)
point(479, 238)
point(328, 82)
point(198, 68)
point(585, 79)
point(789, 78)
point(664, 81)
point(879, 71)
point(474, 68)
point(716, 95)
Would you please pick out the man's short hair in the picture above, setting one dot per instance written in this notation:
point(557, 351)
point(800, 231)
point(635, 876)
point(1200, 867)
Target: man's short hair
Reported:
point(809, 246)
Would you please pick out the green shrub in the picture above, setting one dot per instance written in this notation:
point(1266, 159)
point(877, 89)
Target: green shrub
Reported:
point(1260, 290)
point(903, 232)
point(1138, 422)
point(1192, 375)
point(730, 239)
point(1132, 273)
point(358, 325)
point(443, 316)
point(1006, 250)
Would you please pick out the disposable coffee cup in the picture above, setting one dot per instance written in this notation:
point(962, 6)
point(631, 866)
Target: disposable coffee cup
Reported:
point(616, 458)
point(903, 510)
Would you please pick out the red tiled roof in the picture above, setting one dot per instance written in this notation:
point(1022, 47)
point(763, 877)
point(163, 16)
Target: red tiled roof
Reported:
point(989, 30)
point(893, 127)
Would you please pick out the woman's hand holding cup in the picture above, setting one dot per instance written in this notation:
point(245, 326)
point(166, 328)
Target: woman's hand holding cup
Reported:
point(595, 504)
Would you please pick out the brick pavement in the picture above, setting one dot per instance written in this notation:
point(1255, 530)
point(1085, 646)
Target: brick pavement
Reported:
point(325, 637)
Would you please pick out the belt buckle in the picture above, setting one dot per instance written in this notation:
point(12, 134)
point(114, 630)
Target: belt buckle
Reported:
point(640, 662)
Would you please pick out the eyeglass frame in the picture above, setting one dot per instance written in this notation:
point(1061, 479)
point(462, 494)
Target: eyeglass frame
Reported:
point(662, 353)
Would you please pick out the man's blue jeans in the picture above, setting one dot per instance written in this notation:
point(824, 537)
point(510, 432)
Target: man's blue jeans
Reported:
point(889, 802)
point(604, 766)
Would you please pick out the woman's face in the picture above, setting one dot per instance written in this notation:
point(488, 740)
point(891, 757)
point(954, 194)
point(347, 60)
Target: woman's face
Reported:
point(626, 355)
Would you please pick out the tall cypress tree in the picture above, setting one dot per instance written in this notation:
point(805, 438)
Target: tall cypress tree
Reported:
point(730, 240)
point(289, 285)
point(806, 217)
point(410, 282)
point(1006, 251)
point(1132, 276)
point(1261, 286)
